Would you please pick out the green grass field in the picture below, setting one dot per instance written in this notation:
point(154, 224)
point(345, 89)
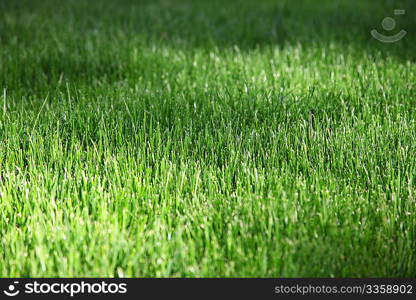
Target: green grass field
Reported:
point(206, 139)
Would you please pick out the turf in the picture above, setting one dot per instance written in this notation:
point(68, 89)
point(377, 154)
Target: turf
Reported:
point(206, 139)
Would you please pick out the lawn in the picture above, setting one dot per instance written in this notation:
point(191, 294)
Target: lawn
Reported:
point(268, 138)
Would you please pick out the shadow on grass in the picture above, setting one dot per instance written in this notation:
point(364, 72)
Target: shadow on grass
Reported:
point(81, 39)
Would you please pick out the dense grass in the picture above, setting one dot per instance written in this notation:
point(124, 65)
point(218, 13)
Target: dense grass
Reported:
point(206, 138)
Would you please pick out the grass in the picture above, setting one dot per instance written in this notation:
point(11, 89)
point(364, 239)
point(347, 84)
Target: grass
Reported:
point(206, 138)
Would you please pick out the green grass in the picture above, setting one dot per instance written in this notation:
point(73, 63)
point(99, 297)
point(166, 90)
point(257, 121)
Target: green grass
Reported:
point(206, 138)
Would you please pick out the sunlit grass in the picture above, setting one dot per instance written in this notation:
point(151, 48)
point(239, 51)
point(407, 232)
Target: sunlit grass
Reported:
point(186, 138)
